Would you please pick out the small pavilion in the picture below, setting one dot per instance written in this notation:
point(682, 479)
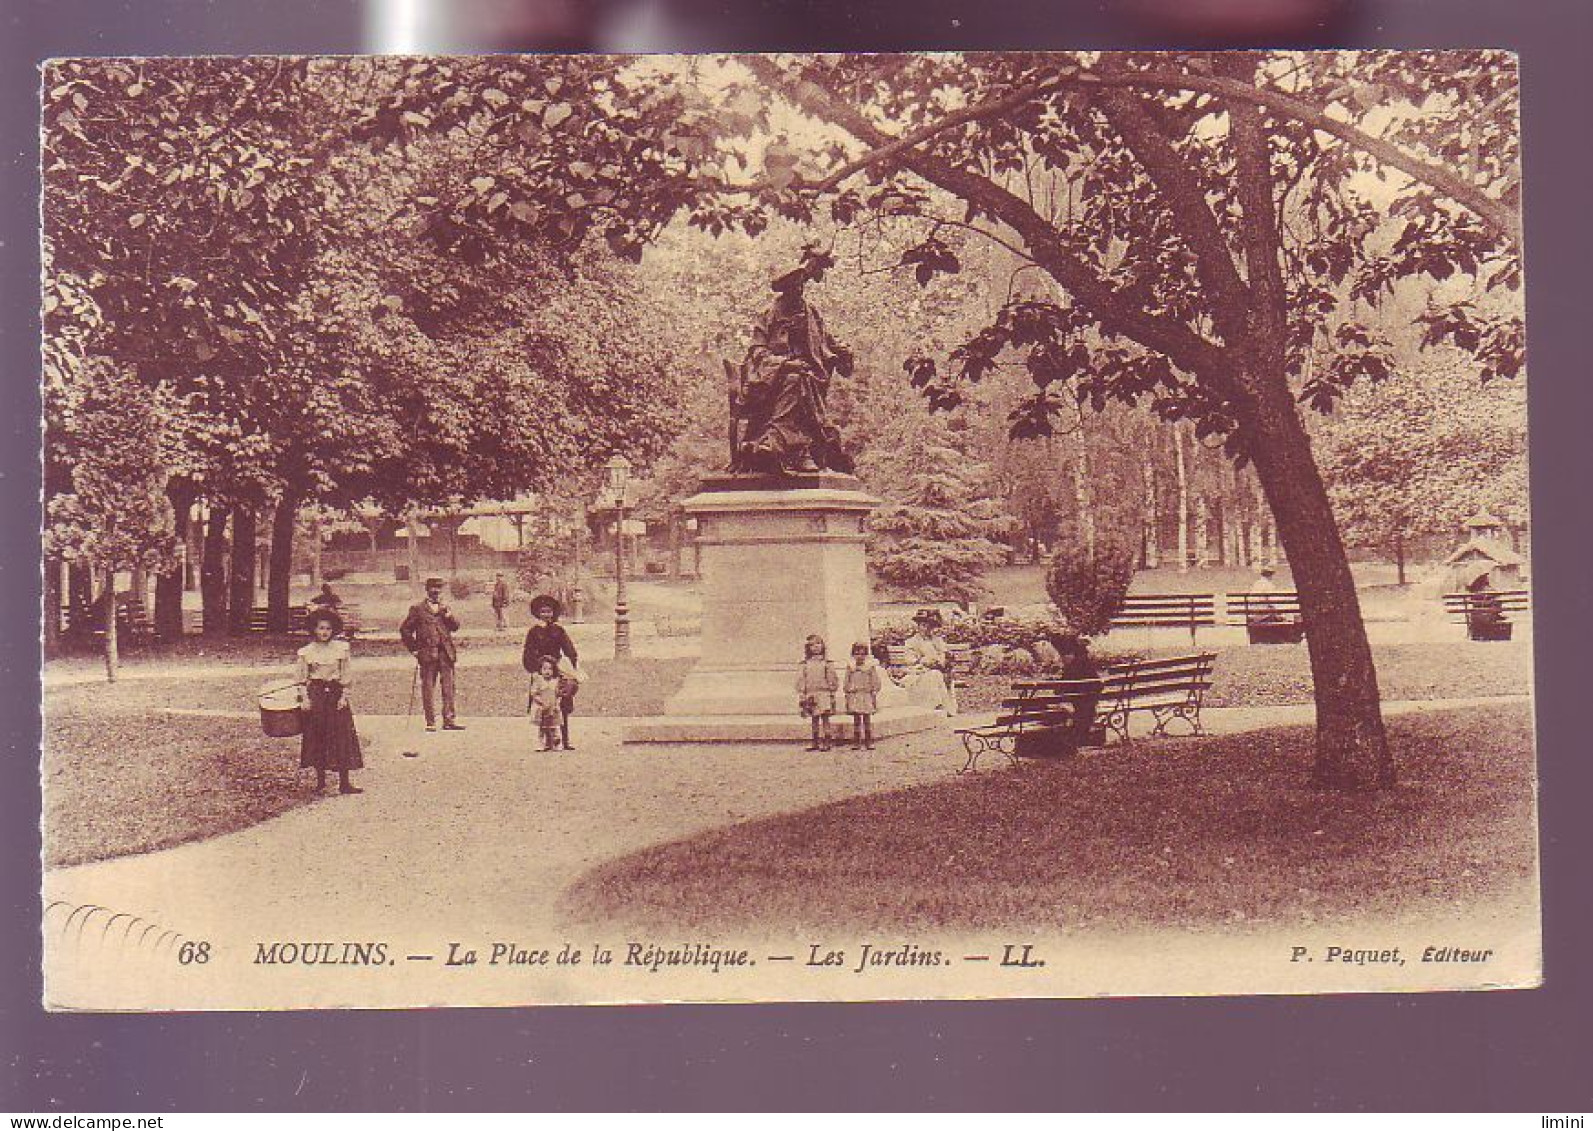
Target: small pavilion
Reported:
point(1486, 553)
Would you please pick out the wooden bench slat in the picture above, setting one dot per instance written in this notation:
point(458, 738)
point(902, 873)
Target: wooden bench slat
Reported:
point(1167, 610)
point(1037, 688)
point(1048, 718)
point(1041, 702)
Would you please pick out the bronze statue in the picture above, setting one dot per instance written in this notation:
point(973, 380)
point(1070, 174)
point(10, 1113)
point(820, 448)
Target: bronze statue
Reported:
point(777, 396)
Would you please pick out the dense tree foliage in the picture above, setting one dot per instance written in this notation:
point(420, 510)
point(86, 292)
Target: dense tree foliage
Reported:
point(1424, 453)
point(397, 333)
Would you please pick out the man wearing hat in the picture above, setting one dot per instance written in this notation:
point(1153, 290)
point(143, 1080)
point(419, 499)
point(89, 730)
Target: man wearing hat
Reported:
point(1262, 609)
point(428, 632)
point(547, 638)
point(500, 601)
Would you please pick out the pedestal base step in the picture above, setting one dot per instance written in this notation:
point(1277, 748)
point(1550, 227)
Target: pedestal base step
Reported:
point(772, 728)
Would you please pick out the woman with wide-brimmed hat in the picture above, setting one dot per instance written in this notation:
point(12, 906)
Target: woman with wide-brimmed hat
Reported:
point(928, 675)
point(330, 741)
point(548, 639)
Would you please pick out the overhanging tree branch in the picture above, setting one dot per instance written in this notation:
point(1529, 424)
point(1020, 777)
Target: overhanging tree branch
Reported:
point(1498, 214)
point(1185, 199)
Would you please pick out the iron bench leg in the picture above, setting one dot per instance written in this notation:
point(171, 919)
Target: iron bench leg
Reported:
point(1116, 721)
point(977, 744)
point(1188, 713)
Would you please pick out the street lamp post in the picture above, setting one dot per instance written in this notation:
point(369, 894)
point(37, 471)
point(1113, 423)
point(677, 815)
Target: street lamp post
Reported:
point(619, 471)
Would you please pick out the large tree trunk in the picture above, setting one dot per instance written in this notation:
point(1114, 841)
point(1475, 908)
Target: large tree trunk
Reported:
point(169, 582)
point(52, 603)
point(315, 550)
point(213, 572)
point(241, 600)
point(112, 659)
point(1182, 472)
point(79, 600)
point(193, 554)
point(1399, 556)
point(138, 586)
point(1150, 525)
point(412, 531)
point(280, 578)
point(1351, 745)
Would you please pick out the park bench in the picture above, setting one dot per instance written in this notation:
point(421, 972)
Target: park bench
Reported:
point(1037, 720)
point(1490, 613)
point(1168, 610)
point(133, 624)
point(958, 656)
point(1269, 618)
point(133, 620)
point(298, 619)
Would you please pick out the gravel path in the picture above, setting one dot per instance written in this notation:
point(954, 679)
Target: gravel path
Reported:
point(467, 836)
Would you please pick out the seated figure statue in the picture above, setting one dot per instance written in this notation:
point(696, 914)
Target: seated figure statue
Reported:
point(779, 425)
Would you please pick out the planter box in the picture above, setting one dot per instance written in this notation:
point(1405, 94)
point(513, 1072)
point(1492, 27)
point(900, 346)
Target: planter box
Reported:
point(1276, 632)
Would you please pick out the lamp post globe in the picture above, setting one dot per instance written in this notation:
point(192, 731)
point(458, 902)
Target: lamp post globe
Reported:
point(618, 469)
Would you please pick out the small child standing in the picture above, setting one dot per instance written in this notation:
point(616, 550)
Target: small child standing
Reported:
point(816, 687)
point(862, 686)
point(544, 704)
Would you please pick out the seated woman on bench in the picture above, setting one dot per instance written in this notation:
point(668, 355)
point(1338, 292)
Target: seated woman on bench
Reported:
point(928, 675)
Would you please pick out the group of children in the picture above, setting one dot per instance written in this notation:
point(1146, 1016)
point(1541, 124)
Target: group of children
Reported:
point(859, 686)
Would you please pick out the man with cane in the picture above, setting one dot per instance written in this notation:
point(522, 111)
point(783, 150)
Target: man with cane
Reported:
point(428, 632)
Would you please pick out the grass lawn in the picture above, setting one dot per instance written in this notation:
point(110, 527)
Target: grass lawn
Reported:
point(1192, 833)
point(125, 781)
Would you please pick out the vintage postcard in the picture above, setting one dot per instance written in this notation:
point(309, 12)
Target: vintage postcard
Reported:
point(590, 529)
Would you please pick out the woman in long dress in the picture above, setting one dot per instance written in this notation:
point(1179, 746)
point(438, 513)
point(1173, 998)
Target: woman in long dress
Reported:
point(330, 741)
point(928, 674)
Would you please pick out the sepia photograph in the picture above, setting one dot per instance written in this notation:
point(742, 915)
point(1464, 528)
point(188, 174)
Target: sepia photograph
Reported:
point(585, 529)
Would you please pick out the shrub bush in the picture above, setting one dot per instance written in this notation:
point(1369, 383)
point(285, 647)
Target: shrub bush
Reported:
point(333, 574)
point(1088, 590)
point(461, 587)
point(981, 633)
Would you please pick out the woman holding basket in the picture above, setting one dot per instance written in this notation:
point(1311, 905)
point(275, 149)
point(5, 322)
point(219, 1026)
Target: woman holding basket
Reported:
point(330, 741)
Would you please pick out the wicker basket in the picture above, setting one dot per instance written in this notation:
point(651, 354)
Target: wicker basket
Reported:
point(279, 712)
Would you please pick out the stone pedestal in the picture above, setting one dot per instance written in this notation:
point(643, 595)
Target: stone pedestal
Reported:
point(779, 561)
